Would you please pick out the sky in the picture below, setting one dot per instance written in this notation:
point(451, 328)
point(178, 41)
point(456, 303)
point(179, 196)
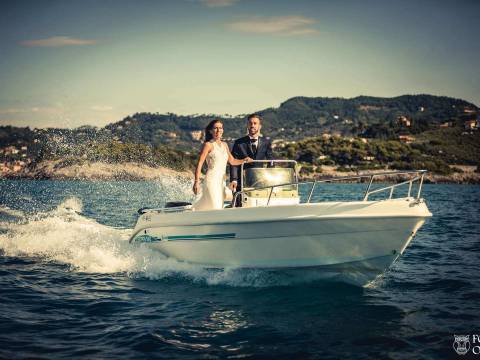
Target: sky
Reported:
point(68, 63)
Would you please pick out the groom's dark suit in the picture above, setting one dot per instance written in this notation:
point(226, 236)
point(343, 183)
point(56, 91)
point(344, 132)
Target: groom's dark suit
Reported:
point(243, 148)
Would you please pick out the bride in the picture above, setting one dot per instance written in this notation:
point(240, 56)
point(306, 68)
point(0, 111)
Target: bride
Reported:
point(216, 153)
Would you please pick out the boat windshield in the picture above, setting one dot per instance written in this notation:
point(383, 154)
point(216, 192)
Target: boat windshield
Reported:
point(262, 177)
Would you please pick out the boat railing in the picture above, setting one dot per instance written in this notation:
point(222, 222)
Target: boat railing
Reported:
point(417, 176)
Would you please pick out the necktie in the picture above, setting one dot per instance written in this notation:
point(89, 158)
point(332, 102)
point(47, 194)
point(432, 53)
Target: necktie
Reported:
point(254, 146)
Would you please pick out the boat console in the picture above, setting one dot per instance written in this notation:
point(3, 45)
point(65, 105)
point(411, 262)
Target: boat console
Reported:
point(263, 184)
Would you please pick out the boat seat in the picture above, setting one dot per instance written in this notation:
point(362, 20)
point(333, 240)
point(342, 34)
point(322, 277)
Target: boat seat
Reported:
point(177, 204)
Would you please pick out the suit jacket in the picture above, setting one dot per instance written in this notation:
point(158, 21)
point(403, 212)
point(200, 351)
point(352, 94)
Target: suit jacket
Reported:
point(242, 148)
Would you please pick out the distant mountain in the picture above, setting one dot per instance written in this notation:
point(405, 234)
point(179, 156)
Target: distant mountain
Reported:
point(295, 119)
point(301, 117)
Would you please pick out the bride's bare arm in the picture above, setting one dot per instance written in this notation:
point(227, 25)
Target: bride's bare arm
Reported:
point(207, 147)
point(233, 161)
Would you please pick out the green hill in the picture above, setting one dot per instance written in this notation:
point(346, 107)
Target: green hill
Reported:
point(302, 117)
point(433, 126)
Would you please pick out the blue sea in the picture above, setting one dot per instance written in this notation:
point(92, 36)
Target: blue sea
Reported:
point(72, 287)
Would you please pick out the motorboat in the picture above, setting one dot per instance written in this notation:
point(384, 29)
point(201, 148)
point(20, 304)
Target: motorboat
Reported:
point(284, 224)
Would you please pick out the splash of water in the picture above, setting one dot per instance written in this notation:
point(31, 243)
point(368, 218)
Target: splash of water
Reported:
point(10, 215)
point(65, 236)
point(176, 188)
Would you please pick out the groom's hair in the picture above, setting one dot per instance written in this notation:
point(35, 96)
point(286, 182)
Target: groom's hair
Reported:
point(251, 116)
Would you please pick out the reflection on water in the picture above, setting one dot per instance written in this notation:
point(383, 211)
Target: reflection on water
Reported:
point(226, 321)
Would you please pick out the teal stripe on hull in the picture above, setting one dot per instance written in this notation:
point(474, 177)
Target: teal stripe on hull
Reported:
point(150, 239)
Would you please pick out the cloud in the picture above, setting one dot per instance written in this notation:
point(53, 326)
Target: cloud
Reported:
point(46, 110)
point(56, 41)
point(101, 108)
point(218, 3)
point(280, 25)
point(14, 111)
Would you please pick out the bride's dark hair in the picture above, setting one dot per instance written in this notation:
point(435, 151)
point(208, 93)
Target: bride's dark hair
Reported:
point(211, 124)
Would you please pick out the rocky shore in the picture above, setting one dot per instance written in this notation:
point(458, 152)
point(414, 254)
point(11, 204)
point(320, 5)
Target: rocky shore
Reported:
point(131, 171)
point(466, 175)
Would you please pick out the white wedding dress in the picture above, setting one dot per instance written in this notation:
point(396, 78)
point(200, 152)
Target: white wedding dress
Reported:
point(213, 184)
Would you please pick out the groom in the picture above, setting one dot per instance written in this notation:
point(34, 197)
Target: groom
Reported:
point(253, 145)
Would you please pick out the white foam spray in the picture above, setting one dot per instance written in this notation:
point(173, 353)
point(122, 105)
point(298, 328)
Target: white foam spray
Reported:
point(65, 236)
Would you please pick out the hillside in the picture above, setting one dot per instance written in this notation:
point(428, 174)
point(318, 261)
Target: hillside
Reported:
point(302, 117)
point(363, 133)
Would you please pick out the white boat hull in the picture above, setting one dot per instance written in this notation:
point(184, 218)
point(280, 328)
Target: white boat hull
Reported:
point(335, 236)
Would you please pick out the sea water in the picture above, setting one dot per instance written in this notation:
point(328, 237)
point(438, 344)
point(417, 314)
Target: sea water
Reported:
point(71, 286)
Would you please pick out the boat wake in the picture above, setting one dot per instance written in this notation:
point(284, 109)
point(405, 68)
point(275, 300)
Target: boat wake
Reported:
point(65, 236)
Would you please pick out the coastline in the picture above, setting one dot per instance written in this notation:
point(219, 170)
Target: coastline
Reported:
point(132, 171)
point(467, 176)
